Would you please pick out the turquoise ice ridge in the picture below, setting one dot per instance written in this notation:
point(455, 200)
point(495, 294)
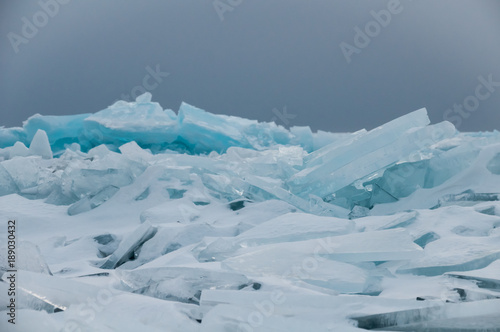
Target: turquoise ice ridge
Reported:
point(83, 160)
point(192, 130)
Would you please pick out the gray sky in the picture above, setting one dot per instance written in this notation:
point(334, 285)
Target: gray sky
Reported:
point(254, 56)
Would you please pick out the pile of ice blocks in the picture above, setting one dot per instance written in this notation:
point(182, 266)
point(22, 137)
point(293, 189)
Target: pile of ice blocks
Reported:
point(137, 218)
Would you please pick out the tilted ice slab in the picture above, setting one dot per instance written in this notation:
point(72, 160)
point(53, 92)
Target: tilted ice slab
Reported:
point(342, 170)
point(183, 284)
point(386, 245)
point(487, 277)
point(303, 267)
point(455, 254)
point(289, 227)
point(129, 245)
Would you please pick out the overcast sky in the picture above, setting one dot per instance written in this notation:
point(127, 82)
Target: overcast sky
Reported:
point(294, 62)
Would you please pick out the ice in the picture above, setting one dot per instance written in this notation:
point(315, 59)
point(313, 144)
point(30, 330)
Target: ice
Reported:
point(294, 227)
point(8, 186)
point(289, 227)
point(494, 164)
point(232, 318)
point(363, 142)
point(61, 130)
point(183, 284)
point(302, 267)
point(467, 198)
point(174, 236)
point(54, 292)
point(129, 246)
point(29, 258)
point(19, 150)
point(135, 218)
point(150, 126)
point(142, 121)
point(345, 169)
point(472, 316)
point(455, 254)
point(9, 136)
point(283, 308)
point(91, 202)
point(488, 277)
point(40, 145)
point(386, 245)
point(25, 172)
point(88, 307)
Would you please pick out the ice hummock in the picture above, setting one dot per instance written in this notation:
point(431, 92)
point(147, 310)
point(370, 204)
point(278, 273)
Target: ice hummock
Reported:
point(193, 221)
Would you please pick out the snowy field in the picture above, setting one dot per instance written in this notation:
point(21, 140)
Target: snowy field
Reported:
point(137, 218)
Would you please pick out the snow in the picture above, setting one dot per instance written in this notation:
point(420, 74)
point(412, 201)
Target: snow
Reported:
point(137, 218)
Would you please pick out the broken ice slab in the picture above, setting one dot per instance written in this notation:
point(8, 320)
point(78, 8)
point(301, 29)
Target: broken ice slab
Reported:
point(45, 292)
point(8, 186)
point(289, 303)
point(183, 284)
point(467, 198)
point(385, 245)
point(90, 308)
point(401, 222)
point(289, 227)
point(25, 172)
point(299, 266)
point(263, 318)
point(129, 245)
point(465, 316)
point(173, 236)
point(29, 259)
point(88, 203)
point(134, 152)
point(320, 155)
point(494, 164)
point(444, 165)
point(292, 227)
point(107, 244)
point(363, 142)
point(61, 130)
point(341, 171)
point(40, 145)
point(315, 205)
point(142, 121)
point(19, 150)
point(130, 312)
point(90, 181)
point(426, 238)
point(488, 277)
point(458, 253)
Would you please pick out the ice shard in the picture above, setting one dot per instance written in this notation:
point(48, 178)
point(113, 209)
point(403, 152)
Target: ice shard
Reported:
point(129, 245)
point(40, 145)
point(183, 284)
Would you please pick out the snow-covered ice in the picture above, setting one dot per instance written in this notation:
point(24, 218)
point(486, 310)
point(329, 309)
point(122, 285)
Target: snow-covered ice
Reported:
point(138, 218)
